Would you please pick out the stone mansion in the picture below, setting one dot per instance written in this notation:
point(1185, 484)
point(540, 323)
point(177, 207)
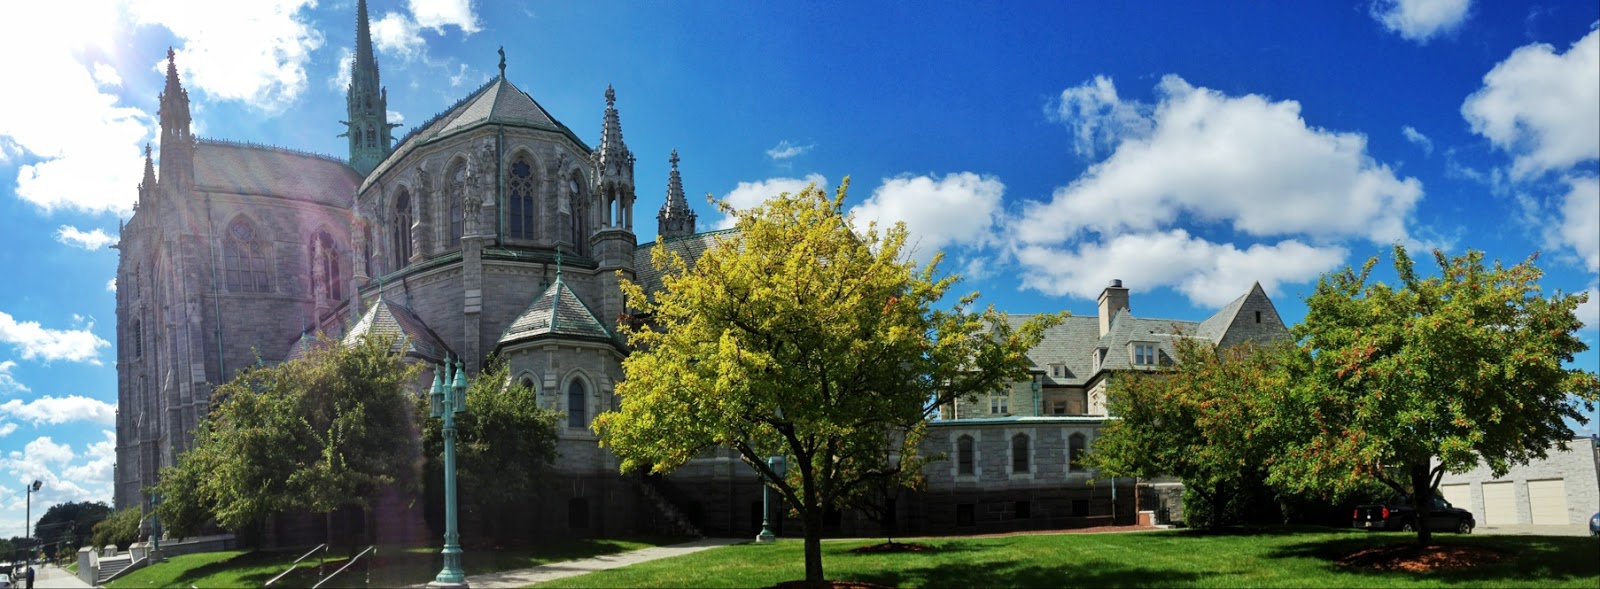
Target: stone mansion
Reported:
point(495, 229)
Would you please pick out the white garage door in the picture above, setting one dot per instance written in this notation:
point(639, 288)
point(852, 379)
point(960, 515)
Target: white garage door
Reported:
point(1459, 495)
point(1547, 501)
point(1499, 503)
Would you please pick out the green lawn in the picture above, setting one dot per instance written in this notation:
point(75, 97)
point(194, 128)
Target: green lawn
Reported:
point(392, 567)
point(1278, 558)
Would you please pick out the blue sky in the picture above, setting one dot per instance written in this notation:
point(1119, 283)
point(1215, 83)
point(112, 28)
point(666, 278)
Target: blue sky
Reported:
point(1188, 149)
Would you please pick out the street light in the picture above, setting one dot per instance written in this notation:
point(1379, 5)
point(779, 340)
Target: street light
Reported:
point(445, 404)
point(776, 465)
point(27, 522)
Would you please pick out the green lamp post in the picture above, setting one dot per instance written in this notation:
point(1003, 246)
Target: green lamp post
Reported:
point(776, 465)
point(449, 397)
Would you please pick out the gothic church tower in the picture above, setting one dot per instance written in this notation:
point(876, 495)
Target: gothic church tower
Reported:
point(367, 102)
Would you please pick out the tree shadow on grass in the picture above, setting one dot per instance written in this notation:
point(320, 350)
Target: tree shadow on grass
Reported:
point(1019, 573)
point(1528, 558)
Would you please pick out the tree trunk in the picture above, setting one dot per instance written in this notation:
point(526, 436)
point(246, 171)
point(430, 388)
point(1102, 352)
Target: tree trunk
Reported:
point(1217, 502)
point(1422, 501)
point(813, 520)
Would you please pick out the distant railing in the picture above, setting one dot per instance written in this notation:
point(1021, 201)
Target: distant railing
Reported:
point(323, 547)
point(346, 565)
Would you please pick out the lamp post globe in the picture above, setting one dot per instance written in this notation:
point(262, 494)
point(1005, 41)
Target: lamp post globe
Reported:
point(447, 398)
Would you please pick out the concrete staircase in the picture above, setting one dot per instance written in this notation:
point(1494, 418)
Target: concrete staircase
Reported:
point(662, 494)
point(110, 566)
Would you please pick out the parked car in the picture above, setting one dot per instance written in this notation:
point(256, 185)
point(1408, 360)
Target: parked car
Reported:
point(1594, 525)
point(1400, 515)
point(5, 581)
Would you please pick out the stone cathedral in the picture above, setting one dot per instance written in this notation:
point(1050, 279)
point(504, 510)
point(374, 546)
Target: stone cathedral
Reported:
point(494, 229)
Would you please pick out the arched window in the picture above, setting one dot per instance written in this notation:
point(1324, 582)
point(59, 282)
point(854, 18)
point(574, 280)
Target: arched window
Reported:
point(964, 455)
point(576, 405)
point(325, 267)
point(244, 258)
point(458, 192)
point(520, 200)
point(372, 137)
point(580, 217)
point(526, 382)
point(401, 229)
point(1075, 445)
point(1019, 453)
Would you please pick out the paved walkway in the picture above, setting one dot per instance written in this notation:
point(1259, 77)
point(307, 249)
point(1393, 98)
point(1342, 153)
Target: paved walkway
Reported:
point(52, 576)
point(572, 568)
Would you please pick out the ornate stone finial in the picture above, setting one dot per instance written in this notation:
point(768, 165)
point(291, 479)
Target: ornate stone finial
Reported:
point(147, 150)
point(611, 97)
point(171, 57)
point(558, 264)
point(674, 159)
point(502, 62)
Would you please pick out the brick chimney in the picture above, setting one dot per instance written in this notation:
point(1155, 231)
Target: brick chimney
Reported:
point(1113, 300)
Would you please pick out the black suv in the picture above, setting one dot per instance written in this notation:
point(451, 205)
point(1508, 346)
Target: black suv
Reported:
point(1399, 515)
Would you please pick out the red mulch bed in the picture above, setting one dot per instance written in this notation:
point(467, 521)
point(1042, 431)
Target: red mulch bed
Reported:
point(830, 584)
point(1418, 559)
point(891, 548)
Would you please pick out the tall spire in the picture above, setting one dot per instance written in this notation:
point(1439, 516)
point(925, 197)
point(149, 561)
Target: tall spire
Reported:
point(366, 102)
point(149, 180)
point(177, 141)
point(676, 219)
point(613, 170)
point(614, 157)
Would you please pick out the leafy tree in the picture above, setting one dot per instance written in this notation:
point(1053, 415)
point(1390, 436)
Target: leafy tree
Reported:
point(1431, 375)
point(69, 523)
point(318, 433)
point(504, 442)
point(121, 529)
point(878, 496)
point(1203, 421)
point(801, 337)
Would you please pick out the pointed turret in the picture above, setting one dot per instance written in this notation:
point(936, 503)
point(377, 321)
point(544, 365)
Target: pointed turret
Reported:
point(177, 141)
point(676, 219)
point(147, 185)
point(366, 103)
point(613, 170)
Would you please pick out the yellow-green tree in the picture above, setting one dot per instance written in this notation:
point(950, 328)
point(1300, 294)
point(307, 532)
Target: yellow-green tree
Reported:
point(1405, 382)
point(800, 336)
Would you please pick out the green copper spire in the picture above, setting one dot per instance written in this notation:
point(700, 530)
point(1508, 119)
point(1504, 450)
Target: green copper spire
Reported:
point(367, 103)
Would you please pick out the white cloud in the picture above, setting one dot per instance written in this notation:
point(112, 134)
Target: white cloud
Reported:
point(394, 117)
point(749, 195)
point(54, 411)
point(1421, 20)
point(53, 465)
point(1580, 224)
point(437, 14)
point(1246, 161)
point(100, 458)
point(1542, 107)
point(340, 81)
point(86, 144)
point(34, 341)
point(90, 240)
point(957, 210)
point(1207, 273)
point(1097, 118)
point(111, 284)
point(786, 150)
point(396, 35)
point(1417, 138)
point(252, 52)
point(7, 429)
point(1589, 311)
point(8, 383)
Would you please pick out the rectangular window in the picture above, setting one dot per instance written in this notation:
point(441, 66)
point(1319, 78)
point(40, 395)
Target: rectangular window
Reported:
point(998, 405)
point(1144, 354)
point(1059, 408)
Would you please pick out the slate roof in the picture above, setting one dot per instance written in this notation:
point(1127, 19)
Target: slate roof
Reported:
point(688, 247)
point(497, 102)
point(558, 313)
point(240, 168)
point(1216, 326)
point(412, 336)
point(1068, 343)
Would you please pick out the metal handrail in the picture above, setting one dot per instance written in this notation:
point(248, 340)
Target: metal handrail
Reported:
point(346, 565)
point(293, 565)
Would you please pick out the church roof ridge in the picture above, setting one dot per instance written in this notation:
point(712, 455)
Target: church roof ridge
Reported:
point(441, 114)
point(270, 147)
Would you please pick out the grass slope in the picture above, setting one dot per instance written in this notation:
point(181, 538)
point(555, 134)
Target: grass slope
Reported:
point(1277, 558)
point(392, 567)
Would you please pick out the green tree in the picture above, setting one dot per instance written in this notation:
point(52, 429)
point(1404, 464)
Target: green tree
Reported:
point(318, 433)
point(504, 442)
point(69, 523)
point(1431, 375)
point(801, 337)
point(120, 528)
point(1203, 421)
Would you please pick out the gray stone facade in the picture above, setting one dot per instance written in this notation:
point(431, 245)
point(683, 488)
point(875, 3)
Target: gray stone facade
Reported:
point(1576, 471)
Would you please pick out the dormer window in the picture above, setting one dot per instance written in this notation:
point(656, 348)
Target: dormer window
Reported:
point(1144, 354)
point(1058, 370)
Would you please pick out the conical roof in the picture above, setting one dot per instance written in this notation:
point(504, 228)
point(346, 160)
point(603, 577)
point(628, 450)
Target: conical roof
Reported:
point(411, 336)
point(558, 313)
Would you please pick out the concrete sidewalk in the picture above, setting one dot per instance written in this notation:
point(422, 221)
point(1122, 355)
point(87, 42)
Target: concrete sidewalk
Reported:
point(53, 576)
point(572, 568)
